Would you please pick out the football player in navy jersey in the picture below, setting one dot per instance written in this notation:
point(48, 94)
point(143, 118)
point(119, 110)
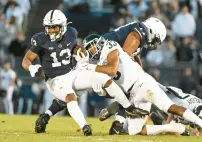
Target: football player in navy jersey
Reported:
point(135, 36)
point(132, 37)
point(56, 48)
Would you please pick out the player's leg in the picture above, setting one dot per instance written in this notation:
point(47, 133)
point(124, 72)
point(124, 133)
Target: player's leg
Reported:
point(62, 89)
point(152, 93)
point(157, 115)
point(157, 129)
point(97, 81)
point(56, 106)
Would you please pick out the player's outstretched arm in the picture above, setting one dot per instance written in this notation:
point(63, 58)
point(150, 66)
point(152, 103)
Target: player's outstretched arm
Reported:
point(28, 59)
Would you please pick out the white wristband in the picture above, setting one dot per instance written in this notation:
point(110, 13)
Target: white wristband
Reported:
point(92, 67)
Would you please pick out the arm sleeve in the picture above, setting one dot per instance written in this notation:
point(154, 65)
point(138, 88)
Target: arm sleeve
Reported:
point(35, 44)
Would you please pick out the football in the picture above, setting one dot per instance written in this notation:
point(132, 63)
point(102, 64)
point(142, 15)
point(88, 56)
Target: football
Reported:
point(80, 51)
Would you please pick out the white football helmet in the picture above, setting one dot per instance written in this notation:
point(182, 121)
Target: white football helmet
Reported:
point(52, 19)
point(156, 32)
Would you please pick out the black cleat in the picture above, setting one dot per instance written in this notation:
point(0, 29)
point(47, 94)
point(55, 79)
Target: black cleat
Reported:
point(116, 128)
point(87, 131)
point(134, 112)
point(108, 111)
point(41, 122)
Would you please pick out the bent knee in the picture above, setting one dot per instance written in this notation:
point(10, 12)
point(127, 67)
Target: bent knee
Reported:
point(70, 97)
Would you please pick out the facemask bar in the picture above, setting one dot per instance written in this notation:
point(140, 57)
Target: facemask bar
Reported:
point(98, 44)
point(54, 37)
point(153, 42)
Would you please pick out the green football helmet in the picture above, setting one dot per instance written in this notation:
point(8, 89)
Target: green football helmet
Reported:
point(94, 44)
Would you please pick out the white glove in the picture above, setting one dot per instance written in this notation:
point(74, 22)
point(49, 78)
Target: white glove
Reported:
point(33, 69)
point(91, 67)
point(83, 59)
point(81, 66)
point(98, 89)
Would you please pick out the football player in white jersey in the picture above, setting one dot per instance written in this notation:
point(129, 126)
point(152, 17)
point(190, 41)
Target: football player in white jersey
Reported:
point(180, 98)
point(143, 89)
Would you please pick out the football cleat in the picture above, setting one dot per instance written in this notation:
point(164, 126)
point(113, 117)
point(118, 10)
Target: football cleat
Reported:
point(116, 128)
point(87, 131)
point(41, 122)
point(108, 111)
point(134, 112)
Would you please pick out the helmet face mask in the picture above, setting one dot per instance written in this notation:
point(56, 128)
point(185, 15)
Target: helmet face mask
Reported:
point(55, 24)
point(94, 47)
point(54, 32)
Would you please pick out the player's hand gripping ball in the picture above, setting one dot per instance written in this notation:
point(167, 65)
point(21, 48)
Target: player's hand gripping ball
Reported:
point(80, 54)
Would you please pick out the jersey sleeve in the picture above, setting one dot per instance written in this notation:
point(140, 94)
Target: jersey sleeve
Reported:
point(74, 32)
point(111, 46)
point(35, 44)
point(142, 31)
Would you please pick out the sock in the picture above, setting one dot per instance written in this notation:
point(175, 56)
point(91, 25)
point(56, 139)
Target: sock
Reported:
point(171, 127)
point(76, 113)
point(190, 116)
point(49, 113)
point(114, 91)
point(55, 107)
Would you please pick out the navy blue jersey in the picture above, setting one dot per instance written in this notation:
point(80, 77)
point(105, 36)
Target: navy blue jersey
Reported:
point(55, 56)
point(120, 34)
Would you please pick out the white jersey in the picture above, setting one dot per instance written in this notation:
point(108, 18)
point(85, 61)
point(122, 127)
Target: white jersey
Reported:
point(127, 66)
point(186, 100)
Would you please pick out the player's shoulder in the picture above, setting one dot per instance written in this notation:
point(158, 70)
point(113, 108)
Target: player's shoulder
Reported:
point(111, 45)
point(140, 28)
point(71, 30)
point(39, 38)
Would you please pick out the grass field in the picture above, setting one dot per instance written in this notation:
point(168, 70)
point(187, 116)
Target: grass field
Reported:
point(19, 128)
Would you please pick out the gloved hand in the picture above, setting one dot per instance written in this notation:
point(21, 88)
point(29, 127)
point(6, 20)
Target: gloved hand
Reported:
point(81, 55)
point(81, 66)
point(33, 69)
point(91, 67)
point(98, 89)
point(133, 112)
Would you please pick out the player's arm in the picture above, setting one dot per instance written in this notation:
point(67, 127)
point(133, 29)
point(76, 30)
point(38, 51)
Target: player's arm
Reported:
point(138, 60)
point(132, 43)
point(112, 64)
point(170, 118)
point(28, 59)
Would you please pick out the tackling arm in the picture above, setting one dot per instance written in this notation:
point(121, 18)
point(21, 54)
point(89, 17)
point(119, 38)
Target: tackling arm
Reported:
point(112, 64)
point(132, 43)
point(138, 60)
point(28, 59)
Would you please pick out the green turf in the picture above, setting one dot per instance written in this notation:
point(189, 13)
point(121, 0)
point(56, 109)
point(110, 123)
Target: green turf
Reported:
point(19, 128)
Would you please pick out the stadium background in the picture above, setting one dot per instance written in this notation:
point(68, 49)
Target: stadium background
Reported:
point(177, 62)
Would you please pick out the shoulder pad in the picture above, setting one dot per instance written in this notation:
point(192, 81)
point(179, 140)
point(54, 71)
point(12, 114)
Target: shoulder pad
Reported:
point(38, 39)
point(141, 29)
point(72, 30)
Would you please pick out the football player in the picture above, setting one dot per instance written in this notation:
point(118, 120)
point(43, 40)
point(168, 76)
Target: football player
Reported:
point(180, 98)
point(133, 37)
point(143, 88)
point(158, 117)
point(56, 48)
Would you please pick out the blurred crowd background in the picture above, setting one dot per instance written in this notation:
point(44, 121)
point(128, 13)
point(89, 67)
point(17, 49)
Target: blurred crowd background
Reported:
point(177, 62)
